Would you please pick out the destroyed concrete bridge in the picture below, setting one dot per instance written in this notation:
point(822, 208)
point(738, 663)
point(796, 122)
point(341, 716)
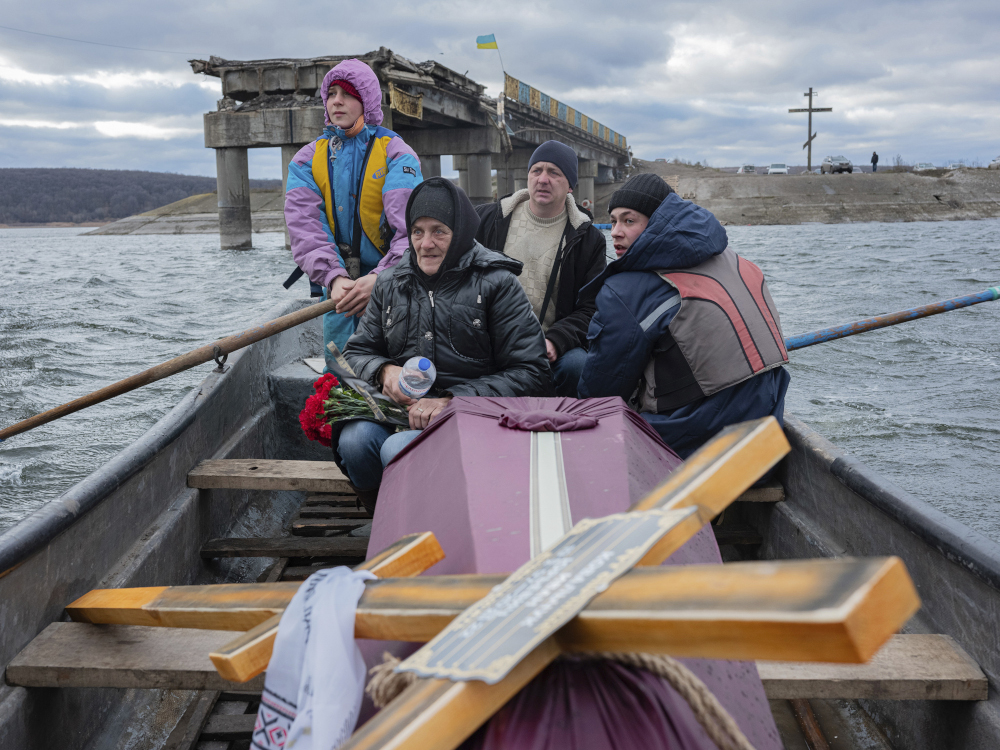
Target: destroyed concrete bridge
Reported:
point(277, 104)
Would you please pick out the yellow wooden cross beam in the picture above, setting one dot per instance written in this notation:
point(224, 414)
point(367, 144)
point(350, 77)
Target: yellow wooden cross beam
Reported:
point(838, 610)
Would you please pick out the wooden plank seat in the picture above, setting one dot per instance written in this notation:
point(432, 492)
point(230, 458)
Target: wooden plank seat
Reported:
point(269, 474)
point(71, 654)
point(338, 547)
point(908, 667)
point(770, 492)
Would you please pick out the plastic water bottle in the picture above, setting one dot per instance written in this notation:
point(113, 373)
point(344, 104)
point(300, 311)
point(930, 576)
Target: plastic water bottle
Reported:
point(417, 377)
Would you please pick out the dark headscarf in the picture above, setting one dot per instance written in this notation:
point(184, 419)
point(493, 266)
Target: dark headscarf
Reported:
point(441, 199)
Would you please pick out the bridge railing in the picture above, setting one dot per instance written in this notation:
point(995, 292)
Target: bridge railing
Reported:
point(521, 92)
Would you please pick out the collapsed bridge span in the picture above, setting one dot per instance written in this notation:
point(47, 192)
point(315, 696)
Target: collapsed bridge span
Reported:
point(437, 111)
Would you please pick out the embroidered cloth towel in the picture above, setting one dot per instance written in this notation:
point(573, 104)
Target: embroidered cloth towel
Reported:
point(316, 676)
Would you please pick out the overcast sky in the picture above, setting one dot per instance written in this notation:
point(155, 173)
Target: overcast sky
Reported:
point(705, 81)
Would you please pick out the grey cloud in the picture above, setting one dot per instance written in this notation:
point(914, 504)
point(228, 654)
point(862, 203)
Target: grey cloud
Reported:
point(919, 78)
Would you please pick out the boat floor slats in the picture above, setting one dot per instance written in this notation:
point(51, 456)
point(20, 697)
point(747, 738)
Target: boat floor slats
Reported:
point(75, 654)
point(268, 474)
point(318, 526)
point(229, 727)
point(771, 492)
point(731, 533)
point(302, 572)
point(322, 511)
point(332, 500)
point(909, 667)
point(346, 547)
point(274, 572)
point(185, 735)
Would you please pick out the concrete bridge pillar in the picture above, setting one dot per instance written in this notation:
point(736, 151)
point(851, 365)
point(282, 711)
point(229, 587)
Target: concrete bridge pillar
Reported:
point(480, 180)
point(520, 178)
point(585, 187)
point(288, 152)
point(460, 163)
point(430, 166)
point(505, 182)
point(233, 185)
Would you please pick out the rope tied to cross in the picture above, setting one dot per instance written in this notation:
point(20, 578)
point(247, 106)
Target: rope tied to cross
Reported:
point(386, 684)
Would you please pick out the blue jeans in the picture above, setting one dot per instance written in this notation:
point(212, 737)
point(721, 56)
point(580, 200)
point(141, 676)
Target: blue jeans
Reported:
point(566, 372)
point(367, 447)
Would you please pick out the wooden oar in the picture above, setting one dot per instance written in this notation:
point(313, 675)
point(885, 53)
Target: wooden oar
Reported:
point(199, 356)
point(889, 319)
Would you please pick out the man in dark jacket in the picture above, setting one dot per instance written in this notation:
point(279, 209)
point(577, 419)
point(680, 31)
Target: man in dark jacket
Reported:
point(454, 302)
point(685, 329)
point(874, 162)
point(544, 228)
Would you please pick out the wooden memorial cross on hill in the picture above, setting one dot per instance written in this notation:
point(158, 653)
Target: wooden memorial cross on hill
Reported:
point(490, 635)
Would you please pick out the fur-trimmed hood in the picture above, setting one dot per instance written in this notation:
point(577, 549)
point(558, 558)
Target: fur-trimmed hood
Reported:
point(577, 216)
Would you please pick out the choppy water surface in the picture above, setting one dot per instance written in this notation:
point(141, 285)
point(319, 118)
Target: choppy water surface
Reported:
point(78, 313)
point(918, 402)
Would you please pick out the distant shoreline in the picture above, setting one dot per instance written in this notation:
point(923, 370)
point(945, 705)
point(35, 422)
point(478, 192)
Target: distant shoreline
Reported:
point(56, 225)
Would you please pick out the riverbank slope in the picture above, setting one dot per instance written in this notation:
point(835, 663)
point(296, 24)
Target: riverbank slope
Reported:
point(735, 199)
point(834, 198)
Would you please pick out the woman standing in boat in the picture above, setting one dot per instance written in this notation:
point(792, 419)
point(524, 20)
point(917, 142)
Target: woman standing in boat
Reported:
point(346, 196)
point(454, 302)
point(685, 329)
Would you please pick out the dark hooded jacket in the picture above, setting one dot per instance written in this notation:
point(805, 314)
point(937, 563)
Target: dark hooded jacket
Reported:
point(583, 257)
point(679, 235)
point(472, 319)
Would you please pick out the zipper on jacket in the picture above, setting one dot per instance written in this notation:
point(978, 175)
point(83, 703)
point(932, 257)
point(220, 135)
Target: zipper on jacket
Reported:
point(431, 295)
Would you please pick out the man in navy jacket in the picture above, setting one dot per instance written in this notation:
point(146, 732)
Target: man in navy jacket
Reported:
point(685, 329)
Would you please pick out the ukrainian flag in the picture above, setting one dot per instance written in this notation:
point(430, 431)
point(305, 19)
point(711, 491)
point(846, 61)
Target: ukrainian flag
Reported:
point(487, 42)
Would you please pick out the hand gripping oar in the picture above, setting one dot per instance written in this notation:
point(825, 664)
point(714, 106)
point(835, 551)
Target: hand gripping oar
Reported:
point(889, 319)
point(206, 353)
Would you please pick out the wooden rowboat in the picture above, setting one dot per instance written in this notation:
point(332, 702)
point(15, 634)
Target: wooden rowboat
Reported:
point(149, 518)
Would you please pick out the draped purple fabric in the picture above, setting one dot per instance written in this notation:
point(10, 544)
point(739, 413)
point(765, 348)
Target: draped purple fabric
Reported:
point(545, 420)
point(467, 479)
point(593, 705)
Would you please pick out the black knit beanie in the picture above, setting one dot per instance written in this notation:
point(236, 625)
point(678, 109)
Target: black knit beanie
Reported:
point(559, 154)
point(642, 192)
point(435, 202)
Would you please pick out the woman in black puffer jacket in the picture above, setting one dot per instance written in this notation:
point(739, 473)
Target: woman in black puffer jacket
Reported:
point(458, 304)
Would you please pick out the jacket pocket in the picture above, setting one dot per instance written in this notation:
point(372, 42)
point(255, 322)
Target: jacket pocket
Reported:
point(468, 332)
point(394, 329)
point(594, 329)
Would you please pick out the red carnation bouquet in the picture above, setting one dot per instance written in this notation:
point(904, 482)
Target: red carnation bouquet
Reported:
point(333, 403)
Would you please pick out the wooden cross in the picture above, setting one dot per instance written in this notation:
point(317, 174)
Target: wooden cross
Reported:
point(818, 610)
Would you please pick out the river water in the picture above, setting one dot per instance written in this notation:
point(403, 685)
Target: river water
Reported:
point(919, 402)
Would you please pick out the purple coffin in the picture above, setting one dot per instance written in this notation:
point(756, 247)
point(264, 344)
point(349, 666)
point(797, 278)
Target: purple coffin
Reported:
point(476, 484)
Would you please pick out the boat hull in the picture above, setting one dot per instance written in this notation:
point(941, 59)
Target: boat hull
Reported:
point(835, 506)
point(134, 522)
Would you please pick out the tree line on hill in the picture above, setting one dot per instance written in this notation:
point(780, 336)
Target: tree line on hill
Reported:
point(40, 196)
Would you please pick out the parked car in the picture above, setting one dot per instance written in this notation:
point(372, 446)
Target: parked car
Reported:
point(924, 166)
point(995, 164)
point(777, 169)
point(956, 165)
point(747, 169)
point(660, 160)
point(833, 164)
